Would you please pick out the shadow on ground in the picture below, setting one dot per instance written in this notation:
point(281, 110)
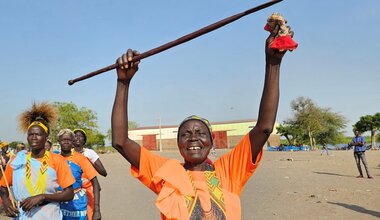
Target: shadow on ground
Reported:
point(332, 174)
point(357, 208)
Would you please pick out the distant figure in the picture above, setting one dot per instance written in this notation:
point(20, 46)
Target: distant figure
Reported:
point(325, 149)
point(5, 154)
point(48, 145)
point(281, 147)
point(359, 153)
point(20, 147)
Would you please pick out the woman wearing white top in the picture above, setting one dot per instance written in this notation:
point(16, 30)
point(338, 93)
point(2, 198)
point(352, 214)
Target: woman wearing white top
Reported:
point(80, 141)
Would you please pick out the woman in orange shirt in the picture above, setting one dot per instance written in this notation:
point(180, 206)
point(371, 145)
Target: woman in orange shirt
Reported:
point(83, 172)
point(197, 188)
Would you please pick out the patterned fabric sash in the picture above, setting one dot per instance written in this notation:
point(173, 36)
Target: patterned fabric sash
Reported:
point(40, 185)
point(217, 211)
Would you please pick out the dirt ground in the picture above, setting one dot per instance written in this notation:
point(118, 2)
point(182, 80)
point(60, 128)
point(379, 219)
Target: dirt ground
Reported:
point(309, 187)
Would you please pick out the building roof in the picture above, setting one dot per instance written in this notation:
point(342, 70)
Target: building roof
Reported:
point(212, 123)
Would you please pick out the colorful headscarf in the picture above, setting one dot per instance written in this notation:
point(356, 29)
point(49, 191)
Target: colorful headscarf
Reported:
point(203, 120)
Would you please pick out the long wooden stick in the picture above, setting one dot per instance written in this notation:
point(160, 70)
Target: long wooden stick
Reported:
point(179, 40)
point(9, 190)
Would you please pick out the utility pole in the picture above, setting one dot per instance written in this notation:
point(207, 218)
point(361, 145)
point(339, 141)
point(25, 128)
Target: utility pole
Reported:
point(160, 143)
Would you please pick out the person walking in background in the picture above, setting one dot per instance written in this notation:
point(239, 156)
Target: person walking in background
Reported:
point(359, 153)
point(325, 149)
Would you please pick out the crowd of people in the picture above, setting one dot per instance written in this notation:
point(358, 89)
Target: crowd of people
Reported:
point(40, 184)
point(37, 183)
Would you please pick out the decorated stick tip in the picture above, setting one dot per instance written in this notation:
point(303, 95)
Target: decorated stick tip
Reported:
point(283, 40)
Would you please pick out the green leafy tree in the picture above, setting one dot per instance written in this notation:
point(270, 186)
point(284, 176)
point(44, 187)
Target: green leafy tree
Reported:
point(312, 124)
point(131, 125)
point(332, 125)
point(98, 140)
point(290, 130)
point(72, 117)
point(307, 115)
point(369, 123)
point(13, 144)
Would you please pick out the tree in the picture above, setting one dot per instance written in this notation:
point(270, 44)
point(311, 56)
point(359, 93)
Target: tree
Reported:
point(332, 124)
point(312, 124)
point(290, 131)
point(369, 123)
point(131, 125)
point(13, 144)
point(72, 117)
point(307, 115)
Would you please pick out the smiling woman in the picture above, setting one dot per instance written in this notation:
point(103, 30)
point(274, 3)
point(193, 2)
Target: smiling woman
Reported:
point(36, 176)
point(195, 141)
point(197, 188)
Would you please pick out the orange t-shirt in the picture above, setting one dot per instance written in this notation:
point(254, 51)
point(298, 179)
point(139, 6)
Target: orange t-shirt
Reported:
point(232, 169)
point(89, 171)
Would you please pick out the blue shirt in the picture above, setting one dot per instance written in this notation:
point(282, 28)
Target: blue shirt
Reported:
point(357, 140)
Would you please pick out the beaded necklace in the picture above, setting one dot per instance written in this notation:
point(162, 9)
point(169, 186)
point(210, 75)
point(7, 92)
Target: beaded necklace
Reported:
point(39, 187)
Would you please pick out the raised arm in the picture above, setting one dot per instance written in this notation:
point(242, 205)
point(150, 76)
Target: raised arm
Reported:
point(269, 99)
point(129, 149)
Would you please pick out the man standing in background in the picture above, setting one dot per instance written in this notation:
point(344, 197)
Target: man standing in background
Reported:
point(359, 153)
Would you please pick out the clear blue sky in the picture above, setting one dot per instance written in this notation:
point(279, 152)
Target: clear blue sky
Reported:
point(218, 76)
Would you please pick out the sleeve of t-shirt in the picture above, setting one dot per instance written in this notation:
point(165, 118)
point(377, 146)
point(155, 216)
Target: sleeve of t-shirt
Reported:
point(149, 164)
point(87, 167)
point(64, 176)
point(91, 154)
point(7, 177)
point(236, 167)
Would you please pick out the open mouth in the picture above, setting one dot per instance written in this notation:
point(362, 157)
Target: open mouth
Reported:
point(194, 148)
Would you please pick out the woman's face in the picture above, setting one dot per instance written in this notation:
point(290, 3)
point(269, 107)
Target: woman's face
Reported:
point(194, 141)
point(66, 142)
point(36, 137)
point(79, 139)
